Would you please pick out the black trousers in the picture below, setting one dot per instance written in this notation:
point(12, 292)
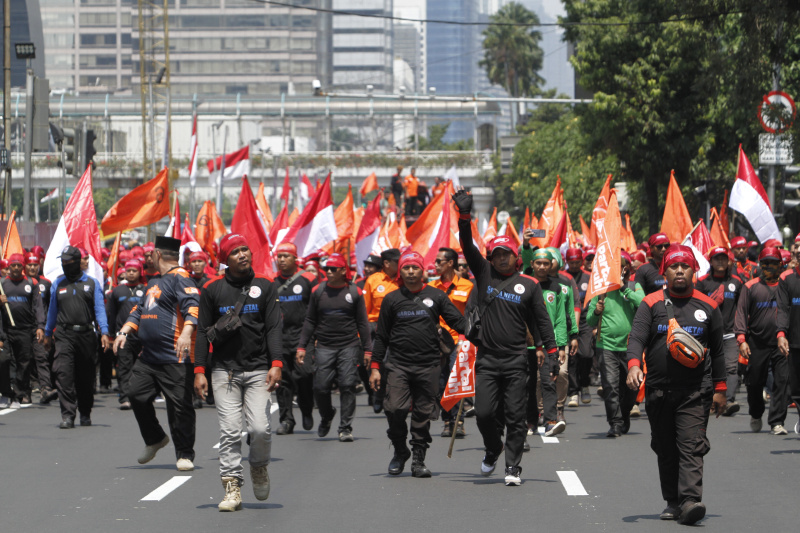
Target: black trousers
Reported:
point(74, 367)
point(5, 373)
point(380, 394)
point(107, 360)
point(532, 408)
point(502, 381)
point(580, 365)
point(43, 360)
point(619, 399)
point(126, 357)
point(337, 364)
point(415, 388)
point(21, 343)
point(678, 421)
point(299, 380)
point(547, 372)
point(794, 376)
point(175, 382)
point(762, 358)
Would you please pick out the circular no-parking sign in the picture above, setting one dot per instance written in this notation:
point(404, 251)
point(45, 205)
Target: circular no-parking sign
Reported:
point(776, 112)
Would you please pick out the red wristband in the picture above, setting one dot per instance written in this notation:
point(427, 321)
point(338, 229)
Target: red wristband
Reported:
point(199, 370)
point(634, 362)
point(374, 365)
point(720, 386)
point(740, 338)
point(781, 334)
point(277, 364)
point(552, 350)
point(465, 216)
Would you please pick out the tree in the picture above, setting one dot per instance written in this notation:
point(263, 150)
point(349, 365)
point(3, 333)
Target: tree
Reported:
point(512, 55)
point(434, 140)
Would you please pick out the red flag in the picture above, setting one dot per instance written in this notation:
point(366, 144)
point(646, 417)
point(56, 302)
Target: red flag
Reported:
point(560, 234)
point(281, 223)
point(599, 208)
point(442, 238)
point(187, 235)
point(606, 267)
point(193, 153)
point(237, 165)
point(316, 225)
point(431, 224)
point(370, 184)
point(461, 383)
point(247, 222)
point(699, 240)
point(723, 216)
point(368, 231)
point(749, 198)
point(146, 204)
point(286, 187)
point(78, 228)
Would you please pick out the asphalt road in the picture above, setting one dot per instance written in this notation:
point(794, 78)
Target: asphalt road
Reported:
point(87, 480)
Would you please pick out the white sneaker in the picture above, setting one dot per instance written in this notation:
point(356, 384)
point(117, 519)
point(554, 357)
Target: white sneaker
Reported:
point(489, 463)
point(755, 425)
point(14, 405)
point(260, 478)
point(778, 429)
point(797, 428)
point(555, 429)
point(573, 401)
point(4, 402)
point(150, 451)
point(513, 476)
point(185, 465)
point(635, 412)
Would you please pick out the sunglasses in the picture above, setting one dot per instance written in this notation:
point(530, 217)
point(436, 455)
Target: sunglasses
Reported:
point(440, 261)
point(330, 269)
point(661, 246)
point(463, 265)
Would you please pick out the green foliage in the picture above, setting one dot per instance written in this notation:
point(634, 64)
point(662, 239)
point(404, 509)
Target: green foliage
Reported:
point(434, 140)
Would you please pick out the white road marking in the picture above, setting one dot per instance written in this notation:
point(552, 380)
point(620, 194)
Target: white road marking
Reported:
point(571, 483)
point(7, 411)
point(161, 492)
point(244, 435)
point(547, 440)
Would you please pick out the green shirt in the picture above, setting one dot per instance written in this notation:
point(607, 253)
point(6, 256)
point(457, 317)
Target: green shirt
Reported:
point(620, 306)
point(558, 300)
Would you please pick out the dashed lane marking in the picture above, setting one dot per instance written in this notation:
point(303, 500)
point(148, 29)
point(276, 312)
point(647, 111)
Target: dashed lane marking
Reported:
point(547, 440)
point(161, 492)
point(571, 483)
point(7, 411)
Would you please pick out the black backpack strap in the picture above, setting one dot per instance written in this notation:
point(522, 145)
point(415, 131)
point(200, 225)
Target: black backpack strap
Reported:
point(289, 281)
point(237, 308)
point(668, 305)
point(496, 292)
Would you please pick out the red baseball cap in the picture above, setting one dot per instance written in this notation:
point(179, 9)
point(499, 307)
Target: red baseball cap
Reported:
point(502, 242)
point(410, 258)
point(774, 243)
point(658, 238)
point(16, 258)
point(738, 242)
point(574, 253)
point(32, 259)
point(717, 250)
point(770, 252)
point(336, 261)
point(589, 252)
point(786, 256)
point(750, 244)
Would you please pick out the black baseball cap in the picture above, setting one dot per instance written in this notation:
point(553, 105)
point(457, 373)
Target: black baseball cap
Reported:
point(373, 259)
point(70, 253)
point(168, 244)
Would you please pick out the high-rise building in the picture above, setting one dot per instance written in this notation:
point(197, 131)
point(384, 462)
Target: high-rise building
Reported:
point(408, 49)
point(26, 27)
point(216, 46)
point(362, 45)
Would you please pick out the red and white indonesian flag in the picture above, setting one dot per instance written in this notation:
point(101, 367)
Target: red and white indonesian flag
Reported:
point(699, 240)
point(77, 227)
point(306, 189)
point(237, 165)
point(193, 154)
point(50, 196)
point(606, 267)
point(368, 232)
point(748, 198)
point(461, 383)
point(316, 225)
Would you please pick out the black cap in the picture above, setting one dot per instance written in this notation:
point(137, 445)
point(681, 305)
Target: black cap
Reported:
point(70, 253)
point(373, 259)
point(168, 244)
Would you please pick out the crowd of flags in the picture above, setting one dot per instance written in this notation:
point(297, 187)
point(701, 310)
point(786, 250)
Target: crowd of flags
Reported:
point(316, 225)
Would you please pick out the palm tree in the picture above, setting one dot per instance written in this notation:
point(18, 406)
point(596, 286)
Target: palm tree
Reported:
point(512, 56)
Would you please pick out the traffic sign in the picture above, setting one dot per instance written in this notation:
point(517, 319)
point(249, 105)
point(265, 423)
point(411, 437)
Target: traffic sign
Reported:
point(776, 112)
point(775, 149)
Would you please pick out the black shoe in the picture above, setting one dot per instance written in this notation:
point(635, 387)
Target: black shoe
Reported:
point(460, 433)
point(104, 390)
point(418, 468)
point(325, 425)
point(210, 400)
point(398, 462)
point(601, 393)
point(469, 412)
point(377, 406)
point(626, 425)
point(285, 429)
point(197, 403)
point(447, 432)
point(86, 420)
point(731, 409)
point(526, 447)
point(672, 512)
point(308, 422)
point(48, 395)
point(614, 431)
point(67, 422)
point(691, 513)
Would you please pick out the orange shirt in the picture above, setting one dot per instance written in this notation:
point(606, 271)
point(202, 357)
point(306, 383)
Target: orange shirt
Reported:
point(411, 184)
point(459, 295)
point(377, 286)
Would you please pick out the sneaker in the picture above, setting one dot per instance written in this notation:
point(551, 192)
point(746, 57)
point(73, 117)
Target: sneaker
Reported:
point(25, 400)
point(4, 402)
point(285, 429)
point(797, 428)
point(526, 447)
point(560, 416)
point(346, 436)
point(15, 405)
point(308, 422)
point(233, 495)
point(573, 401)
point(447, 431)
point(469, 412)
point(601, 393)
point(86, 420)
point(755, 425)
point(489, 462)
point(377, 406)
point(778, 429)
point(731, 409)
point(586, 396)
point(197, 403)
point(67, 422)
point(512, 476)
point(626, 425)
point(325, 425)
point(125, 406)
point(150, 451)
point(635, 412)
point(185, 465)
point(47, 396)
point(260, 478)
point(672, 512)
point(554, 427)
point(614, 431)
point(691, 513)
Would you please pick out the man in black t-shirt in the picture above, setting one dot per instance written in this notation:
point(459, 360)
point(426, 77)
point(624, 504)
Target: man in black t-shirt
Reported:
point(648, 275)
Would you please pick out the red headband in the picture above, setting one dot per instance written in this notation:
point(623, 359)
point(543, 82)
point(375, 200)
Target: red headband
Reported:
point(336, 261)
point(639, 255)
point(658, 238)
point(134, 264)
point(286, 248)
point(228, 244)
point(16, 258)
point(194, 256)
point(410, 258)
point(678, 253)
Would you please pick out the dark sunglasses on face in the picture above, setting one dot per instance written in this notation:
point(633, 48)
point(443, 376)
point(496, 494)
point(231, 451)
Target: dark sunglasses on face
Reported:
point(440, 261)
point(661, 246)
point(330, 269)
point(463, 265)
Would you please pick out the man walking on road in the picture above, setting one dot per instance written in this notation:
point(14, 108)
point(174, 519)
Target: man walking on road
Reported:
point(42, 357)
point(501, 367)
point(679, 327)
point(648, 275)
point(246, 366)
point(789, 330)
point(165, 323)
point(409, 324)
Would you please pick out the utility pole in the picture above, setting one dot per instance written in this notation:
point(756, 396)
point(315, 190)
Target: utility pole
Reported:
point(776, 86)
point(29, 104)
point(7, 99)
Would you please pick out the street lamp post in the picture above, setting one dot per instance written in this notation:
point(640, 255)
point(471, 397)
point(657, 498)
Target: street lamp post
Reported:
point(27, 51)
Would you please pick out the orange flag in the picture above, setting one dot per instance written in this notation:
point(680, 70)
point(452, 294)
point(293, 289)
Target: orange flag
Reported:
point(606, 267)
point(429, 218)
point(631, 246)
point(573, 241)
point(723, 215)
point(370, 184)
point(511, 231)
point(718, 234)
point(552, 214)
point(476, 238)
point(491, 229)
point(677, 223)
point(600, 208)
point(12, 244)
point(144, 205)
point(345, 222)
point(113, 260)
point(263, 206)
point(209, 227)
point(526, 224)
point(293, 216)
point(585, 230)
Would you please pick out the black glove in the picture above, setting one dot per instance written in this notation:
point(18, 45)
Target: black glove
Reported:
point(463, 201)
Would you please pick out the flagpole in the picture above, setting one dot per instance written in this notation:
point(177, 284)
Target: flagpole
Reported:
point(455, 428)
point(222, 170)
point(192, 159)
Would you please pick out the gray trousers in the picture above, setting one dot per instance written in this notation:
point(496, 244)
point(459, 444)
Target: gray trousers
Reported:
point(237, 395)
point(619, 399)
point(731, 350)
